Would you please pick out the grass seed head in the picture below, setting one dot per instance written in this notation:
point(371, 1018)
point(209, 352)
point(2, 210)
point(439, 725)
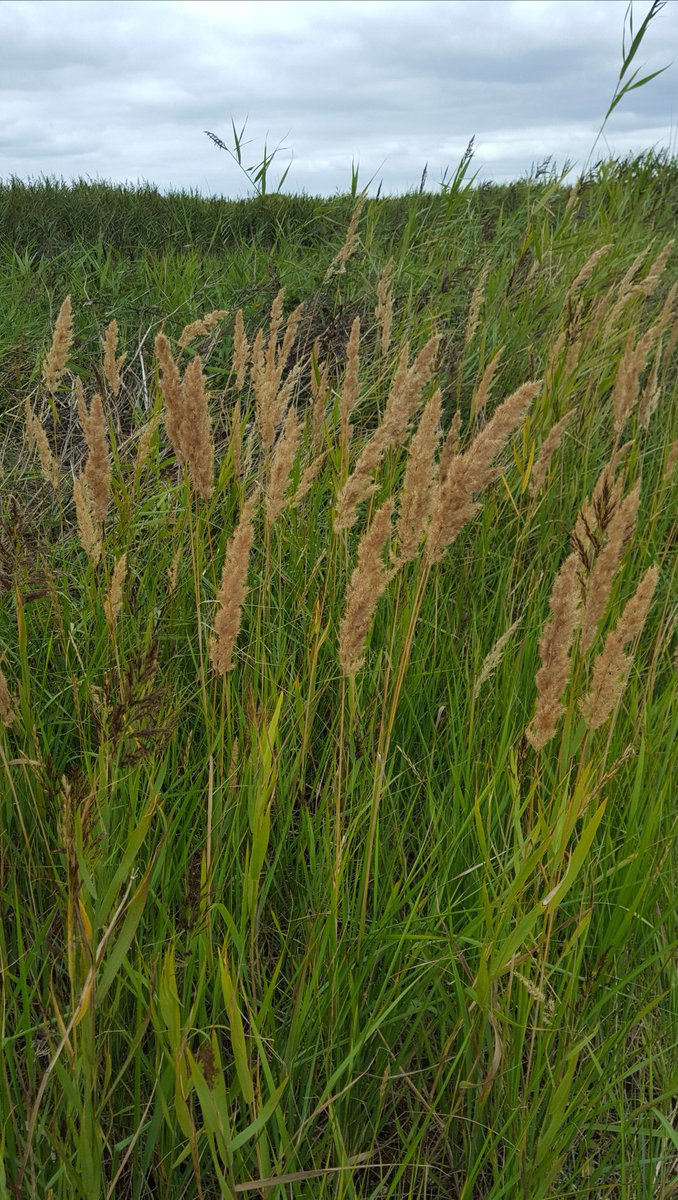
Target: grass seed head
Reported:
point(54, 365)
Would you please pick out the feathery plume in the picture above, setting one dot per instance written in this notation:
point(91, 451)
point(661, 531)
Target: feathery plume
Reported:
point(625, 391)
point(6, 709)
point(403, 401)
point(587, 270)
point(384, 310)
point(619, 532)
point(548, 448)
point(112, 365)
point(351, 386)
point(233, 590)
point(470, 473)
point(671, 460)
point(418, 481)
point(241, 351)
point(320, 389)
point(88, 526)
point(493, 659)
point(450, 445)
point(369, 581)
point(173, 573)
point(649, 283)
point(289, 338)
point(200, 328)
point(554, 652)
point(612, 666)
point(172, 393)
point(477, 298)
point(97, 471)
point(309, 474)
point(38, 443)
point(284, 455)
point(197, 429)
point(338, 264)
point(235, 440)
point(113, 601)
point(55, 363)
point(482, 394)
point(649, 397)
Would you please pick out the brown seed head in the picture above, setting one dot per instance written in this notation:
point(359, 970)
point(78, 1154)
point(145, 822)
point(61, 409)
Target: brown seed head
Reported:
point(554, 650)
point(38, 443)
point(282, 463)
point(338, 264)
point(369, 581)
point(233, 590)
point(200, 328)
point(351, 386)
point(98, 467)
point(88, 526)
point(619, 532)
point(113, 601)
point(6, 709)
point(197, 429)
point(548, 448)
point(384, 310)
point(612, 666)
point(419, 480)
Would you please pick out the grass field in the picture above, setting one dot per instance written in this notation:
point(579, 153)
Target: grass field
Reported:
point(338, 693)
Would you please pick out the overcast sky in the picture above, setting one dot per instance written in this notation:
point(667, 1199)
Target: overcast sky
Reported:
point(124, 91)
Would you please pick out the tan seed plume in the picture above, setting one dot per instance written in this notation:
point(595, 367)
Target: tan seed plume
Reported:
point(419, 480)
point(384, 310)
point(588, 269)
point(477, 299)
point(284, 454)
point(650, 395)
point(369, 580)
point(403, 400)
point(470, 473)
point(493, 659)
point(482, 394)
point(272, 396)
point(241, 351)
point(320, 390)
point(612, 666)
point(112, 365)
point(97, 471)
point(619, 532)
point(671, 461)
point(88, 526)
point(309, 474)
point(338, 264)
point(36, 439)
point(172, 393)
point(200, 328)
point(351, 385)
point(549, 446)
point(197, 429)
point(55, 364)
point(554, 651)
point(450, 445)
point(233, 590)
point(113, 601)
point(6, 709)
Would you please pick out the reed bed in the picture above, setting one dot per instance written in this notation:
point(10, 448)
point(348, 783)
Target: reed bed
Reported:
point(337, 715)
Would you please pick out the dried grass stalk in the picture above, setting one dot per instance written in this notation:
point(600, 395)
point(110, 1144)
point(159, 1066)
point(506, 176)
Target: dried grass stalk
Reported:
point(612, 666)
point(493, 659)
point(282, 463)
point(338, 264)
point(6, 709)
point(112, 365)
point(233, 590)
point(241, 351)
point(36, 439)
point(384, 309)
point(88, 526)
point(113, 601)
point(470, 473)
point(619, 532)
point(419, 480)
point(554, 651)
point(55, 363)
point(200, 328)
point(369, 580)
point(548, 448)
point(482, 394)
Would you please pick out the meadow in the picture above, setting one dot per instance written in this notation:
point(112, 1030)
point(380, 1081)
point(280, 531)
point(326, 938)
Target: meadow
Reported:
point(338, 692)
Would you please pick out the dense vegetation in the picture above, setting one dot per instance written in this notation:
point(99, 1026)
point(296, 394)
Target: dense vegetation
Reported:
point(276, 920)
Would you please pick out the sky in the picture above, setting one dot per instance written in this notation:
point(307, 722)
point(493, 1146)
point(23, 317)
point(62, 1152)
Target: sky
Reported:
point(124, 91)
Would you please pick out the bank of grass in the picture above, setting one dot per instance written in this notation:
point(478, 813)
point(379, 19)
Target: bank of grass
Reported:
point(289, 931)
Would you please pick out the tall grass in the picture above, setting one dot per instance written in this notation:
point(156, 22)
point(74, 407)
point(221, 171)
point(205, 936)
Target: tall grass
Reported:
point(336, 837)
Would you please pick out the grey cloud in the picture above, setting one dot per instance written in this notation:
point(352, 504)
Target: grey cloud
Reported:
point(124, 90)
